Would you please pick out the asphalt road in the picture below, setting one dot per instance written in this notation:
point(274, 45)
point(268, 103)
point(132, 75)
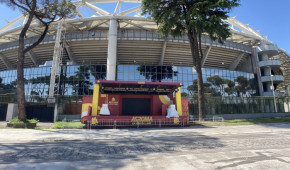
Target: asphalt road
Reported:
point(225, 147)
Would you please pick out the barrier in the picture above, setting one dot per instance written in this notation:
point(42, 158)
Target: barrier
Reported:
point(127, 123)
point(217, 119)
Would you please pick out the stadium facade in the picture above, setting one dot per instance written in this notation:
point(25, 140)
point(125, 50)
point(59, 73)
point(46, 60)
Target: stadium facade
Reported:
point(123, 45)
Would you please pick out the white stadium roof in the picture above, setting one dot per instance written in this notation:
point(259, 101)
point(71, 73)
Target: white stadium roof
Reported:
point(92, 18)
point(242, 33)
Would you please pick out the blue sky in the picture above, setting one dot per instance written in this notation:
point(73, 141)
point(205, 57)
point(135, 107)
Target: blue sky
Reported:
point(270, 17)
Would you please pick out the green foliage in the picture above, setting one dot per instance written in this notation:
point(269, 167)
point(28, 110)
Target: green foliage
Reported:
point(72, 125)
point(244, 86)
point(193, 18)
point(45, 11)
point(207, 88)
point(257, 121)
point(7, 88)
point(216, 80)
point(32, 120)
point(81, 80)
point(200, 16)
point(183, 94)
point(16, 120)
point(157, 73)
point(215, 86)
point(218, 86)
point(244, 121)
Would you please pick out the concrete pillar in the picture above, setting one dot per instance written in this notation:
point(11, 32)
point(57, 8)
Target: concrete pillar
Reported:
point(286, 107)
point(267, 71)
point(112, 50)
point(265, 57)
point(55, 115)
point(12, 111)
point(258, 71)
point(269, 86)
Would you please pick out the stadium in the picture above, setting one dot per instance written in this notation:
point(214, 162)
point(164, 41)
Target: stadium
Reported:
point(247, 73)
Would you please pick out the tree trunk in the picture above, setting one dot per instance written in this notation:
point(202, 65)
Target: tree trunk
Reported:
point(194, 46)
point(20, 69)
point(20, 81)
point(201, 104)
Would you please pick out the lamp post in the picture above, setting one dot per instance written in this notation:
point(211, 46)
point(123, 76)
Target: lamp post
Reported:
point(273, 93)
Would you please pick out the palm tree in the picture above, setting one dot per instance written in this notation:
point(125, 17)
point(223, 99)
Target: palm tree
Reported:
point(194, 18)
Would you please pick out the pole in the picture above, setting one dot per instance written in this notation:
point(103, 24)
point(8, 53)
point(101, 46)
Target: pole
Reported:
point(273, 94)
point(112, 50)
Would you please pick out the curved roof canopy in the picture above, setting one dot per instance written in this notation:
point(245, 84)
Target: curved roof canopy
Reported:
point(90, 15)
point(94, 15)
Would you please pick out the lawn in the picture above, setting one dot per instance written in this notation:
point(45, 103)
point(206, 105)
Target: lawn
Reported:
point(243, 121)
point(256, 121)
point(68, 125)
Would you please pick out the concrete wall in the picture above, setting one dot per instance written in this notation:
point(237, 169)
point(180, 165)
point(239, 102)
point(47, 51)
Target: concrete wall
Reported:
point(247, 66)
point(12, 111)
point(68, 117)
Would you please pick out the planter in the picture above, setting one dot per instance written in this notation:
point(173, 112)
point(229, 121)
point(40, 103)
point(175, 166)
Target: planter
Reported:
point(22, 125)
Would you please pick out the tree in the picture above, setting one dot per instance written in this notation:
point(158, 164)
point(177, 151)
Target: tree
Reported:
point(218, 82)
point(7, 88)
point(194, 18)
point(157, 73)
point(39, 85)
point(245, 86)
point(81, 81)
point(207, 88)
point(46, 12)
point(99, 71)
point(231, 87)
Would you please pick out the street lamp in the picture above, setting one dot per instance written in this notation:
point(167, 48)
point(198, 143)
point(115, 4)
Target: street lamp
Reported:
point(275, 105)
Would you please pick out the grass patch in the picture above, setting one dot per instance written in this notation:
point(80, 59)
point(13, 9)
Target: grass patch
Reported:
point(41, 128)
point(16, 120)
point(244, 121)
point(68, 125)
point(256, 121)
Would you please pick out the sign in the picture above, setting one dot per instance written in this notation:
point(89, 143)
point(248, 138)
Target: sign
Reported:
point(113, 101)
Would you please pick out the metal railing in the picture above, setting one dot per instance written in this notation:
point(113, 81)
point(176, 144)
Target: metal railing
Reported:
point(113, 123)
point(217, 120)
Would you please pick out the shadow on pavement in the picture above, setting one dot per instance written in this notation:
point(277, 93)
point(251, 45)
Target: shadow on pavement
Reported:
point(106, 144)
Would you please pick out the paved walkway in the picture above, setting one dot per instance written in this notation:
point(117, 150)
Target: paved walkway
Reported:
point(264, 146)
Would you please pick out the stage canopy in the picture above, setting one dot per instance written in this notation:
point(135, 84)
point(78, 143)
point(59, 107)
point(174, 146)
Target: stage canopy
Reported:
point(137, 87)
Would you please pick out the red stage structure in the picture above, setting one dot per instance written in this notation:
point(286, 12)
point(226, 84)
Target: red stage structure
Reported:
point(132, 103)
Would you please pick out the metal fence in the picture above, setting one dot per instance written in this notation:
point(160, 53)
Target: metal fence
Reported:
point(112, 123)
point(70, 105)
point(240, 105)
point(217, 120)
